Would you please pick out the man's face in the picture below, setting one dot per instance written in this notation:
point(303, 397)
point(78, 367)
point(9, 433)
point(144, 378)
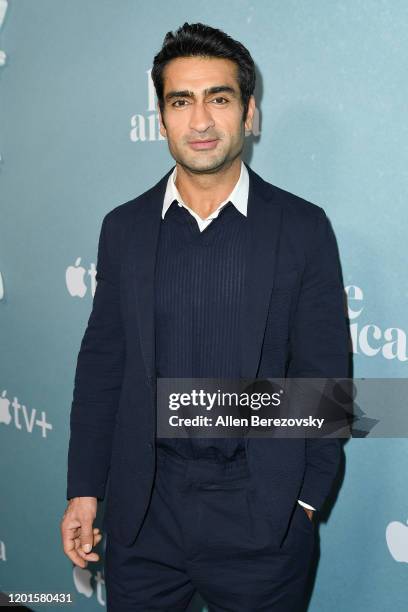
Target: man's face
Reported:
point(203, 125)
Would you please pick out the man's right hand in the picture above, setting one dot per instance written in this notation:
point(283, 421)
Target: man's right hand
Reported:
point(78, 536)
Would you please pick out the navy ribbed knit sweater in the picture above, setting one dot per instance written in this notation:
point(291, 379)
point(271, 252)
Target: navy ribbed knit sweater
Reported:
point(198, 290)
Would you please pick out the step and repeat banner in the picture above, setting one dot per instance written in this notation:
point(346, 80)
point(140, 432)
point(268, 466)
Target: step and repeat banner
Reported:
point(80, 135)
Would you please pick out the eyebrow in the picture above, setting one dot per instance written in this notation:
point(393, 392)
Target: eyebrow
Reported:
point(210, 90)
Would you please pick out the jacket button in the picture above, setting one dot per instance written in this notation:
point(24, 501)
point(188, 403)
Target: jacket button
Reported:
point(150, 445)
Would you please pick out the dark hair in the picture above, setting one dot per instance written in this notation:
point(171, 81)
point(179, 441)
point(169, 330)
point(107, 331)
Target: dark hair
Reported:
point(197, 39)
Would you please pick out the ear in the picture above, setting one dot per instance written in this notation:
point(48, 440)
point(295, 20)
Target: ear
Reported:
point(250, 114)
point(163, 130)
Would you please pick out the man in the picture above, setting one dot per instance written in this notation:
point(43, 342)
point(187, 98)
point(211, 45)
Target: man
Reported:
point(213, 272)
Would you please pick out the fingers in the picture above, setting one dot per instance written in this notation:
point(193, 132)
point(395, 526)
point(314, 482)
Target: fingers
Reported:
point(72, 554)
point(78, 535)
point(91, 556)
point(72, 542)
point(69, 530)
point(78, 556)
point(86, 535)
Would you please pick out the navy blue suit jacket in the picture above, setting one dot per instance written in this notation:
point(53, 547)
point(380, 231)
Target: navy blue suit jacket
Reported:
point(293, 325)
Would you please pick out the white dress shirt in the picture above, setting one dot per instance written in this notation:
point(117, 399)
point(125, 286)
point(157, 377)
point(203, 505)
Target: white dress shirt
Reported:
point(238, 196)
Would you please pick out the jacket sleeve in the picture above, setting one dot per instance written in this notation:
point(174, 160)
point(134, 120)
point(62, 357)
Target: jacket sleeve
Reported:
point(319, 348)
point(98, 376)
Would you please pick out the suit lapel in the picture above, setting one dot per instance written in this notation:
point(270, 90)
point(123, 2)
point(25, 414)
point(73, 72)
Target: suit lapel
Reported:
point(263, 217)
point(144, 237)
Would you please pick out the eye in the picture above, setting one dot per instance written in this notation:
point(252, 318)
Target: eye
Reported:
point(220, 98)
point(174, 103)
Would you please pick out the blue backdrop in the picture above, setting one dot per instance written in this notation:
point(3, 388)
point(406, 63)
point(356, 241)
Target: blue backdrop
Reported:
point(79, 135)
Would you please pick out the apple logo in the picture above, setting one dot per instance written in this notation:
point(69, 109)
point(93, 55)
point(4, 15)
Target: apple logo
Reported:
point(74, 279)
point(82, 581)
point(5, 416)
point(2, 551)
point(3, 10)
point(396, 536)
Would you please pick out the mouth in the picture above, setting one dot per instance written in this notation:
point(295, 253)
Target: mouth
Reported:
point(203, 144)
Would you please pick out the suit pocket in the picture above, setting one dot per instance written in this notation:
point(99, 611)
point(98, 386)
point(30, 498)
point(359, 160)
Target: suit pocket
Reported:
point(301, 519)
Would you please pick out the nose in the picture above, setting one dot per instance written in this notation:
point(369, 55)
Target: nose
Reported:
point(200, 118)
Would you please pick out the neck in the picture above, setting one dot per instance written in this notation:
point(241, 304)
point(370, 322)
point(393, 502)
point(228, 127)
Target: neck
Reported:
point(203, 193)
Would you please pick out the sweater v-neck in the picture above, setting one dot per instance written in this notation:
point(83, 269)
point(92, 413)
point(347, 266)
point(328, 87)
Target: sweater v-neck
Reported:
point(205, 236)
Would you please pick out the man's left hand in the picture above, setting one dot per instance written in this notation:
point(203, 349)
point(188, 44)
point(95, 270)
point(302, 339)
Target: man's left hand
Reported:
point(309, 513)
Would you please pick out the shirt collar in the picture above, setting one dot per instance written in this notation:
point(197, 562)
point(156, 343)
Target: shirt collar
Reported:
point(238, 196)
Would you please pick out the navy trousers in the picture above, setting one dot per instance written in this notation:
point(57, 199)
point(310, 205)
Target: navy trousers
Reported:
point(201, 534)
